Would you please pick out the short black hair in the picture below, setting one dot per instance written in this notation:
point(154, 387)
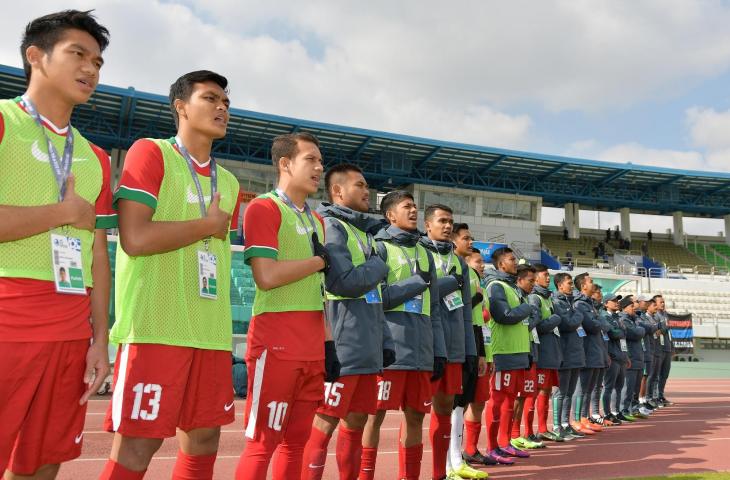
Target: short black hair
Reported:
point(475, 250)
point(44, 32)
point(540, 267)
point(658, 295)
point(498, 254)
point(523, 270)
point(339, 168)
point(392, 199)
point(431, 209)
point(578, 280)
point(459, 227)
point(287, 145)
point(560, 278)
point(183, 87)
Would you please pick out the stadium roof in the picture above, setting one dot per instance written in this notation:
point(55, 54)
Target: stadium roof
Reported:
point(115, 117)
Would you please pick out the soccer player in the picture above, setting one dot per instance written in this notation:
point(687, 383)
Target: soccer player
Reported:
point(55, 203)
point(355, 309)
point(634, 337)
point(666, 344)
point(456, 317)
point(644, 314)
point(550, 353)
point(410, 301)
point(290, 351)
point(510, 352)
point(617, 350)
point(524, 407)
point(595, 406)
point(574, 357)
point(595, 357)
point(455, 463)
point(173, 367)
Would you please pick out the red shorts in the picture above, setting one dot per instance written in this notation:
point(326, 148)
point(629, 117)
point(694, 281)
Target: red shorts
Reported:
point(274, 387)
point(41, 421)
point(158, 388)
point(451, 382)
point(547, 378)
point(529, 382)
point(351, 393)
point(481, 394)
point(509, 382)
point(398, 389)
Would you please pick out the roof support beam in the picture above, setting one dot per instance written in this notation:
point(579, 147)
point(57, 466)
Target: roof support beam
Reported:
point(492, 164)
point(362, 147)
point(610, 178)
point(428, 157)
point(557, 169)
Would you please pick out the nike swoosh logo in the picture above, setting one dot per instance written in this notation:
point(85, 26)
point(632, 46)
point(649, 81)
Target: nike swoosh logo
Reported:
point(227, 407)
point(78, 438)
point(192, 197)
point(316, 466)
point(42, 156)
point(427, 404)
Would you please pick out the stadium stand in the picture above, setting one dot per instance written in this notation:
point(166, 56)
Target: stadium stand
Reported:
point(674, 255)
point(709, 254)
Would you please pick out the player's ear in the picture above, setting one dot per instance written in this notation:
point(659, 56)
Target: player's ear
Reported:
point(180, 108)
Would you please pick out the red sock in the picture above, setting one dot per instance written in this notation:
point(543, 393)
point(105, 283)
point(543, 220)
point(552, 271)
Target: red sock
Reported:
point(543, 402)
point(367, 463)
point(515, 428)
point(505, 421)
point(193, 467)
point(528, 415)
point(115, 471)
point(440, 433)
point(348, 452)
point(315, 455)
point(494, 408)
point(413, 456)
point(471, 436)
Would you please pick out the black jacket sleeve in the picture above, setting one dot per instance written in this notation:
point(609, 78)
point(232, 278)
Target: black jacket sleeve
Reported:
point(590, 323)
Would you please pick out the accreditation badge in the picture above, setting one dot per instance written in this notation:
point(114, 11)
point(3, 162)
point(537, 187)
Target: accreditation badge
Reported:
point(453, 301)
point(414, 305)
point(68, 272)
point(207, 275)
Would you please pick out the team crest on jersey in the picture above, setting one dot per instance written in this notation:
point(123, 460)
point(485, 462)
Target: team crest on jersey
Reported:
point(42, 156)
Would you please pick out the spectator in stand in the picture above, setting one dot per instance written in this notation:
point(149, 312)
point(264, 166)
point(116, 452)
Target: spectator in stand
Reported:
point(565, 233)
point(608, 234)
point(645, 249)
point(649, 235)
point(616, 234)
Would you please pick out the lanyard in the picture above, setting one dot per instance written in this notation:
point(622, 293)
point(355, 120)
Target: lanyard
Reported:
point(412, 264)
point(445, 269)
point(213, 176)
point(307, 210)
point(359, 240)
point(61, 167)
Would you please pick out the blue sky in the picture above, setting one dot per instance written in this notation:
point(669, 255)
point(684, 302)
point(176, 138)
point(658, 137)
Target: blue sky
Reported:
point(643, 81)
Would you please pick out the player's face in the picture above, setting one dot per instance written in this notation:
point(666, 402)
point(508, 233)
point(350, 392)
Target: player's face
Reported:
point(660, 304)
point(630, 309)
point(642, 306)
point(206, 110)
point(306, 167)
point(597, 295)
point(587, 285)
point(527, 283)
point(404, 215)
point(651, 308)
point(353, 192)
point(440, 225)
point(463, 242)
point(508, 263)
point(476, 261)
point(543, 279)
point(566, 286)
point(612, 305)
point(71, 68)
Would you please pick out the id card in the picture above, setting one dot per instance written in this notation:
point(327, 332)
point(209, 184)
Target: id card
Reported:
point(622, 343)
point(605, 336)
point(535, 336)
point(643, 347)
point(487, 333)
point(68, 272)
point(581, 333)
point(373, 296)
point(556, 331)
point(661, 340)
point(207, 275)
point(414, 305)
point(453, 301)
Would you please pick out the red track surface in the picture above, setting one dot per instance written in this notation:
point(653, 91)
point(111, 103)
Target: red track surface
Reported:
point(688, 437)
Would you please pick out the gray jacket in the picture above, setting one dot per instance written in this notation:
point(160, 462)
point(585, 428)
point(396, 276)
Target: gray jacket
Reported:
point(664, 329)
point(550, 351)
point(616, 333)
point(573, 354)
point(502, 313)
point(634, 336)
point(358, 328)
point(593, 341)
point(650, 326)
point(458, 328)
point(417, 338)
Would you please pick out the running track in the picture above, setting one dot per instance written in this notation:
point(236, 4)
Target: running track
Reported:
point(690, 436)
